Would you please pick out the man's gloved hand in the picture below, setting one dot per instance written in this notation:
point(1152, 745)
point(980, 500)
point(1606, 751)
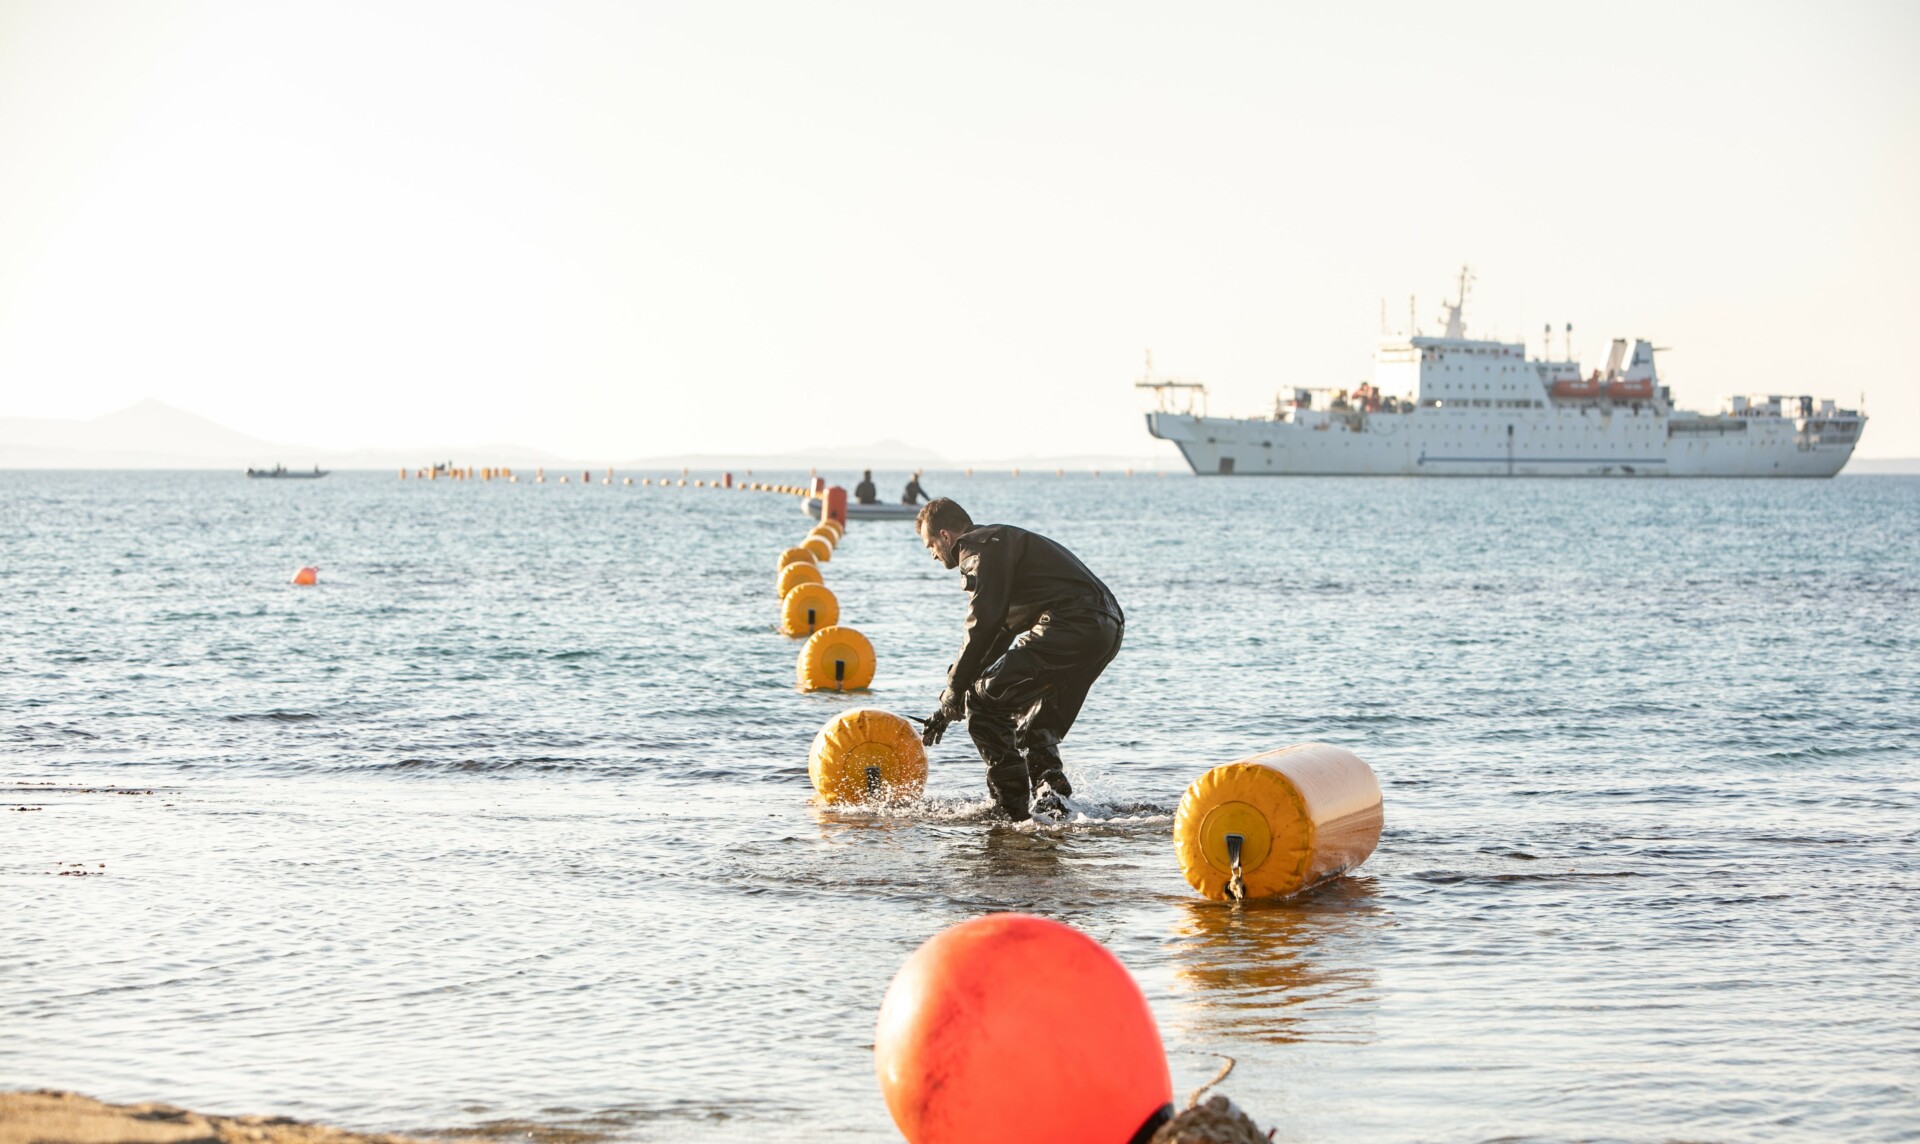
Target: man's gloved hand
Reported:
point(952, 706)
point(936, 726)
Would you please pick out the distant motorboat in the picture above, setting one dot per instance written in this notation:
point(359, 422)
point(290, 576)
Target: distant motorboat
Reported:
point(282, 473)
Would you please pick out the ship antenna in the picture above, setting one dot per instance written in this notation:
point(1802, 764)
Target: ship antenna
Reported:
point(1456, 310)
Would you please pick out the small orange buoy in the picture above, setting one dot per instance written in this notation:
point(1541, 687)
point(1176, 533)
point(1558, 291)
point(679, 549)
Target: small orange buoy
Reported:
point(867, 755)
point(1016, 1028)
point(836, 659)
point(795, 574)
point(806, 608)
point(307, 576)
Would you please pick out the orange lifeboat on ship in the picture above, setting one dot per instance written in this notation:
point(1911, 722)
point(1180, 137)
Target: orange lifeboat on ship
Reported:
point(1574, 387)
point(1641, 390)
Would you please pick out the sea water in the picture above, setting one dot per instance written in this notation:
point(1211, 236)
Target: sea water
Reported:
point(505, 825)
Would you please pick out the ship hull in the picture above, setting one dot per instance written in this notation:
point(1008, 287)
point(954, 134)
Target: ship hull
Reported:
point(1549, 442)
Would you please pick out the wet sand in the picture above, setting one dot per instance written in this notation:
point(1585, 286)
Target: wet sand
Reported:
point(47, 1116)
point(51, 1117)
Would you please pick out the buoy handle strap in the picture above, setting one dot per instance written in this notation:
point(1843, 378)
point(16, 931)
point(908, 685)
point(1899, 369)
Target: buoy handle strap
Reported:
point(1236, 884)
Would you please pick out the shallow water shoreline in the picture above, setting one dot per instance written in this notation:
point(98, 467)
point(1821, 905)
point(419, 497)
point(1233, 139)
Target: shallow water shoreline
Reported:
point(506, 823)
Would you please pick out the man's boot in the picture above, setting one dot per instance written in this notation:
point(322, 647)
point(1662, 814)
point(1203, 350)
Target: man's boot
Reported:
point(1047, 802)
point(1007, 782)
point(1043, 762)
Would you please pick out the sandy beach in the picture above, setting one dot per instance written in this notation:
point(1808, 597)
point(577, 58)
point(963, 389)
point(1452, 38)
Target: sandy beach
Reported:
point(48, 1116)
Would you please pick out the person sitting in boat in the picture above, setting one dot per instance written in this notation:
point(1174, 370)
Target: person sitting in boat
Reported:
point(864, 492)
point(1040, 629)
point(914, 494)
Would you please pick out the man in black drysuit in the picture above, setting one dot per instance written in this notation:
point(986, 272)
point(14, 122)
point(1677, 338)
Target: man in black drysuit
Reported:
point(1040, 628)
point(864, 492)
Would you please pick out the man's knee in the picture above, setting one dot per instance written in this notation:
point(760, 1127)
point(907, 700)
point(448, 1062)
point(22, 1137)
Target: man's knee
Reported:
point(991, 731)
point(990, 701)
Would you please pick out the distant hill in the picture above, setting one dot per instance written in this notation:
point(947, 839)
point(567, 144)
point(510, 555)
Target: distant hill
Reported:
point(155, 435)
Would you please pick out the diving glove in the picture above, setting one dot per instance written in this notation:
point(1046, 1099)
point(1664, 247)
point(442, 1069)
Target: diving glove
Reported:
point(934, 727)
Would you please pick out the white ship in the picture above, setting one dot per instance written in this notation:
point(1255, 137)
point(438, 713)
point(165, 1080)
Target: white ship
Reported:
point(1456, 406)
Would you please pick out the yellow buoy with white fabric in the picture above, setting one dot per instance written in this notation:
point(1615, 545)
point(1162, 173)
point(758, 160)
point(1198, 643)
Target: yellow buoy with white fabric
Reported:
point(794, 556)
point(1275, 824)
point(867, 755)
point(835, 659)
point(796, 573)
point(820, 547)
point(807, 608)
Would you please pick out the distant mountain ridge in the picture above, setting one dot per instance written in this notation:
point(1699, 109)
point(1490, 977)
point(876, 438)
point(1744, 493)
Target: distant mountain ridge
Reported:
point(154, 435)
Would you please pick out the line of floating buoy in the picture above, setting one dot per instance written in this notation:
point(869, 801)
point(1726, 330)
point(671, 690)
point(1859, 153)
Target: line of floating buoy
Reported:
point(863, 755)
point(608, 478)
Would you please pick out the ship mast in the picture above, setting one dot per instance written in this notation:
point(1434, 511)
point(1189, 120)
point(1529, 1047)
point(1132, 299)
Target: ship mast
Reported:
point(1456, 310)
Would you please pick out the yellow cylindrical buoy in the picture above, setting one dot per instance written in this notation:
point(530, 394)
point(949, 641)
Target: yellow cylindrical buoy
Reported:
point(833, 526)
point(806, 609)
point(835, 659)
point(867, 755)
point(795, 556)
point(827, 534)
point(822, 551)
point(797, 573)
point(1275, 824)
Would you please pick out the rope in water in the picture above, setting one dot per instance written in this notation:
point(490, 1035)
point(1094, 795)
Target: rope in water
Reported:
point(1217, 1121)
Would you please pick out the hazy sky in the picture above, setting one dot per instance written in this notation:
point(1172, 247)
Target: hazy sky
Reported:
point(628, 228)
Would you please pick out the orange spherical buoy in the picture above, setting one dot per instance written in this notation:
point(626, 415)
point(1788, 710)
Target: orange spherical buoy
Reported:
point(307, 576)
point(822, 551)
point(807, 608)
point(794, 555)
point(795, 574)
point(1015, 1028)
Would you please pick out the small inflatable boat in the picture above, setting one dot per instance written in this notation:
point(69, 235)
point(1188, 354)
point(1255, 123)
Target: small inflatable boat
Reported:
point(883, 511)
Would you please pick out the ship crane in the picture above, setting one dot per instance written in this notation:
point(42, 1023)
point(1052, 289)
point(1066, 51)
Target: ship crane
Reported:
point(1164, 390)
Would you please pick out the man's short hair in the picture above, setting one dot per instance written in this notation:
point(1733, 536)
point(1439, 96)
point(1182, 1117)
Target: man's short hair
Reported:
point(939, 513)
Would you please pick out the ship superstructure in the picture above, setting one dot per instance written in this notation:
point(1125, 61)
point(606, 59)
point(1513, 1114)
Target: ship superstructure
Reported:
point(1450, 405)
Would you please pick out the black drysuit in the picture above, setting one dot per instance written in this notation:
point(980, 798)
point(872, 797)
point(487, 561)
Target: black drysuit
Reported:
point(1040, 629)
